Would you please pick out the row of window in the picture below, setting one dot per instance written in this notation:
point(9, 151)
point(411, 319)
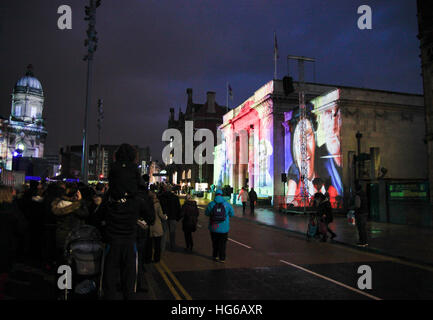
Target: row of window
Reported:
point(33, 112)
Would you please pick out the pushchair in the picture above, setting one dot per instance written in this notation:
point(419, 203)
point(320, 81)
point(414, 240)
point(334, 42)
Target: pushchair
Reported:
point(313, 227)
point(84, 253)
point(316, 227)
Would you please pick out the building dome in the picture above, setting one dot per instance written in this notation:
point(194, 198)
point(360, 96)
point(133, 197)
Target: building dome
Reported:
point(28, 83)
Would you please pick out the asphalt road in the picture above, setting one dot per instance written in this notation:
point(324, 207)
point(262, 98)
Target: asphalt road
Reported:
point(265, 263)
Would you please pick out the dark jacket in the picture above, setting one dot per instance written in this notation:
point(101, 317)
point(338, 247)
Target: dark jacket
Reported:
point(170, 205)
point(190, 214)
point(141, 233)
point(253, 196)
point(325, 209)
point(120, 219)
point(69, 215)
point(12, 227)
point(124, 179)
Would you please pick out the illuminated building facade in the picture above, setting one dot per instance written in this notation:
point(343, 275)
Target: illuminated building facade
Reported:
point(204, 116)
point(23, 135)
point(261, 141)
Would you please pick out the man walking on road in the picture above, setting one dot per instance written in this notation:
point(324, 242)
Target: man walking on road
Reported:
point(219, 212)
point(361, 216)
point(253, 200)
point(243, 195)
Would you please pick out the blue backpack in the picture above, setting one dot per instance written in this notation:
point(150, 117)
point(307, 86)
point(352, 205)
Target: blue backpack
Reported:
point(218, 213)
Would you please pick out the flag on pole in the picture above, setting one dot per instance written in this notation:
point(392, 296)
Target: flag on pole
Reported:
point(275, 46)
point(229, 88)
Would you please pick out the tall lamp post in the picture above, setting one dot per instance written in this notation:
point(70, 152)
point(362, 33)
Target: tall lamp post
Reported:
point(99, 168)
point(91, 44)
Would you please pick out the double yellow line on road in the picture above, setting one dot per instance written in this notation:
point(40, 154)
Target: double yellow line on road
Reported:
point(166, 275)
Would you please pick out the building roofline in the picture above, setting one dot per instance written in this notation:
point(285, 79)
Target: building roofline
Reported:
point(360, 88)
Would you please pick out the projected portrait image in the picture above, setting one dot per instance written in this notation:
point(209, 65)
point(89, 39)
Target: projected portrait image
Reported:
point(323, 157)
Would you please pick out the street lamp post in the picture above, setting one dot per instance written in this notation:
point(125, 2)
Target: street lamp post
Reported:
point(91, 44)
point(99, 169)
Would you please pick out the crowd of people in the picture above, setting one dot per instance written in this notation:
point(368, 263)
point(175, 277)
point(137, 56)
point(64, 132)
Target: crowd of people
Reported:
point(136, 220)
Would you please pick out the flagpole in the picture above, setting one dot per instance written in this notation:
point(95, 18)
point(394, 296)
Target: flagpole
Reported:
point(275, 55)
point(227, 95)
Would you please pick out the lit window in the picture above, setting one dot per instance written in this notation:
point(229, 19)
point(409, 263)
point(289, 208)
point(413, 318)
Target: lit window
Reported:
point(33, 112)
point(18, 111)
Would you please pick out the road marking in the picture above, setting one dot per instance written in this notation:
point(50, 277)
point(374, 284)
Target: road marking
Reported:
point(332, 280)
point(244, 245)
point(181, 288)
point(168, 283)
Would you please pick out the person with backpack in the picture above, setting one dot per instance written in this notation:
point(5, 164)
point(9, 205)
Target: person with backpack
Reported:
point(219, 212)
point(190, 214)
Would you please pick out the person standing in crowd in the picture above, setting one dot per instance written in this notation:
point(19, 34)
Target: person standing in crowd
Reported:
point(361, 214)
point(170, 205)
point(190, 214)
point(243, 195)
point(70, 211)
point(31, 204)
point(219, 212)
point(100, 189)
point(153, 244)
point(252, 195)
point(121, 212)
point(12, 227)
point(143, 238)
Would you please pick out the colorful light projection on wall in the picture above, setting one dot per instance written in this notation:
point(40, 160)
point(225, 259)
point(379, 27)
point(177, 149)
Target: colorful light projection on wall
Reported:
point(324, 161)
point(245, 157)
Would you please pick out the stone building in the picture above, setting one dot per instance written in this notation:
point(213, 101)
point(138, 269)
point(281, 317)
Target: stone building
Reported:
point(23, 134)
point(265, 132)
point(425, 35)
point(204, 116)
point(98, 165)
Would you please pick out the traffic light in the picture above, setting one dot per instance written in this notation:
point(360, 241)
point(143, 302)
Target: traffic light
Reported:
point(101, 176)
point(288, 85)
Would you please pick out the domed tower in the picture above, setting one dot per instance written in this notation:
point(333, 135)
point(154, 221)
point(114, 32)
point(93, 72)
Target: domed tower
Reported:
point(27, 98)
point(26, 133)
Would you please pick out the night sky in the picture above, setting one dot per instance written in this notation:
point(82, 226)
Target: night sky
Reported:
point(149, 52)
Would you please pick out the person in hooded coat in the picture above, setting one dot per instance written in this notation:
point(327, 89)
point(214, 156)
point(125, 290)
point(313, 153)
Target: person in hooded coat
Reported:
point(219, 229)
point(190, 215)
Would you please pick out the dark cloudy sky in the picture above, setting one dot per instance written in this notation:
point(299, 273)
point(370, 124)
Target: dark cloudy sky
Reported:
point(151, 51)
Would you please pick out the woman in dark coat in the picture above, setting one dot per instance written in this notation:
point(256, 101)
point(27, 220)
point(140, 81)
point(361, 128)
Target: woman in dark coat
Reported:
point(70, 212)
point(12, 227)
point(189, 222)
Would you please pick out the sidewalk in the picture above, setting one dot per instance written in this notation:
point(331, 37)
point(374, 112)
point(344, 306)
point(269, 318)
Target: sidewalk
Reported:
point(410, 243)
